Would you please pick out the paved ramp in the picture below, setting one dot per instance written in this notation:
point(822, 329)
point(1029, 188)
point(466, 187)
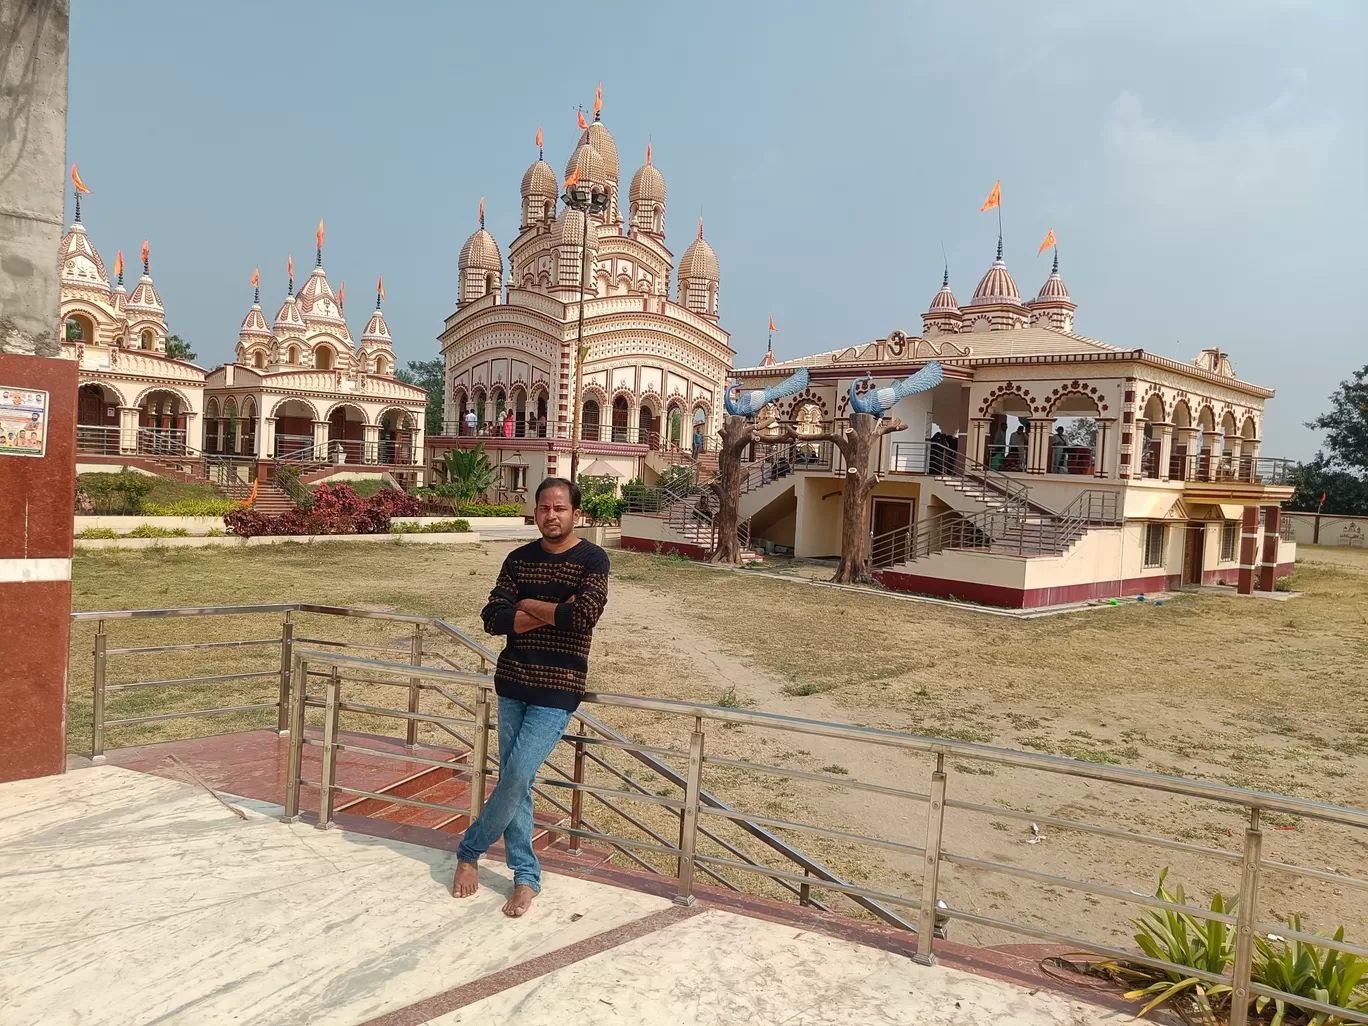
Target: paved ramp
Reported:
point(134, 900)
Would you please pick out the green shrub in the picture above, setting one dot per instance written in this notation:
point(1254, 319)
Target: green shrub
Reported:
point(437, 527)
point(405, 528)
point(216, 532)
point(98, 532)
point(590, 487)
point(190, 508)
point(157, 531)
point(603, 508)
point(1321, 974)
point(481, 509)
point(115, 494)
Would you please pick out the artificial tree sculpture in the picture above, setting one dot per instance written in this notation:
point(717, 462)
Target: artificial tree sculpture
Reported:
point(868, 423)
point(748, 419)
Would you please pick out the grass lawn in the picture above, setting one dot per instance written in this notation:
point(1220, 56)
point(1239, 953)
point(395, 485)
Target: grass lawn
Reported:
point(1253, 692)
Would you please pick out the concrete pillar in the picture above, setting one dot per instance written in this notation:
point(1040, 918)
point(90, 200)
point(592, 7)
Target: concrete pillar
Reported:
point(1038, 446)
point(1163, 436)
point(1249, 548)
point(1103, 464)
point(978, 437)
point(417, 458)
point(370, 443)
point(194, 432)
point(266, 446)
point(128, 429)
point(320, 437)
point(33, 108)
point(1268, 570)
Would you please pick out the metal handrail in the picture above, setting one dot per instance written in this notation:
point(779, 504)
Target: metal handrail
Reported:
point(931, 910)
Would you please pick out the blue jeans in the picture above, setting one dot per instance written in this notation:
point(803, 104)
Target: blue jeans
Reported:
point(527, 736)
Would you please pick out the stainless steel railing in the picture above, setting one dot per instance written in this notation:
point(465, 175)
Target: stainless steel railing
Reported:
point(701, 722)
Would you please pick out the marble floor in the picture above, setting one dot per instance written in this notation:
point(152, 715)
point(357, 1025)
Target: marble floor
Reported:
point(128, 899)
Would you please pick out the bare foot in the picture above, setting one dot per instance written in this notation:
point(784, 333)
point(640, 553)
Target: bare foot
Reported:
point(467, 880)
point(520, 902)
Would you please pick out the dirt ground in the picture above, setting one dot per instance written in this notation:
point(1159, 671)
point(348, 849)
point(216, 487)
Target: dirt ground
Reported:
point(1257, 693)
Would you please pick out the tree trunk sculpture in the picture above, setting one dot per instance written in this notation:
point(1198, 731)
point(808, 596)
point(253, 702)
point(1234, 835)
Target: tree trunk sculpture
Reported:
point(856, 444)
point(737, 433)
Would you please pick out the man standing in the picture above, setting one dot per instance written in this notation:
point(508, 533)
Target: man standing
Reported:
point(549, 595)
point(470, 422)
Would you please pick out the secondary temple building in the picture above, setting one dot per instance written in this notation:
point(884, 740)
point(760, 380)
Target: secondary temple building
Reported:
point(1047, 467)
point(651, 369)
point(300, 389)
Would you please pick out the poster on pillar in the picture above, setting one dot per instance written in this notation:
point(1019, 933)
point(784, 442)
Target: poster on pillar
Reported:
point(23, 422)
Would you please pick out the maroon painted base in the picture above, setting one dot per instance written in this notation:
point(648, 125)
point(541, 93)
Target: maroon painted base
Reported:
point(665, 548)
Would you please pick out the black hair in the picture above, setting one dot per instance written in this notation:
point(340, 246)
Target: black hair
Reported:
point(560, 482)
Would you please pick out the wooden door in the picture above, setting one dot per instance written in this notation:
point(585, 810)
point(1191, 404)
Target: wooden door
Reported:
point(1194, 554)
point(892, 515)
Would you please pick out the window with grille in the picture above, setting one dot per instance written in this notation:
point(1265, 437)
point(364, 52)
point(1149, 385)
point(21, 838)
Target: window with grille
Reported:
point(1230, 531)
point(1154, 545)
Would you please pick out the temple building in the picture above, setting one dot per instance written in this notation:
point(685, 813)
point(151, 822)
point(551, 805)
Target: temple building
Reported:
point(650, 372)
point(1047, 467)
point(300, 389)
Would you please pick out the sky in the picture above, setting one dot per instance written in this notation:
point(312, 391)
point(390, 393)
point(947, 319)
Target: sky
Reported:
point(1201, 164)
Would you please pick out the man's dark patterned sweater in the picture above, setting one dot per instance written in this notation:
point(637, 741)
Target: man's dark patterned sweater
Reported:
point(547, 666)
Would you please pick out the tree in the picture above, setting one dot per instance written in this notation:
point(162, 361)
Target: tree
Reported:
point(469, 472)
point(1346, 425)
point(856, 444)
point(1080, 433)
point(429, 375)
point(179, 349)
point(1345, 494)
point(737, 433)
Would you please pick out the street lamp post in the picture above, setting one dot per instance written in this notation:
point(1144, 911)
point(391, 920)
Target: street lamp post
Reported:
point(580, 198)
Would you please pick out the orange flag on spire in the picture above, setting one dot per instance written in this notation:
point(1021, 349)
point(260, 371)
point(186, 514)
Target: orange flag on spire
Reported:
point(380, 286)
point(145, 251)
point(76, 180)
point(994, 198)
point(319, 236)
point(289, 266)
point(582, 123)
point(648, 154)
point(341, 293)
point(700, 226)
point(1049, 241)
point(598, 99)
point(573, 179)
point(256, 277)
point(539, 137)
point(772, 327)
point(481, 211)
point(118, 264)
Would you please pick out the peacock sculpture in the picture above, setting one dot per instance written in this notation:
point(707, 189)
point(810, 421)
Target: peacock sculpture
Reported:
point(748, 404)
point(878, 401)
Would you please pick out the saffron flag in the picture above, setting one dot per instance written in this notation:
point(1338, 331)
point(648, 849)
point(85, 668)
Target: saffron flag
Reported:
point(582, 123)
point(598, 99)
point(380, 286)
point(319, 235)
point(539, 137)
point(118, 264)
point(648, 154)
point(481, 211)
point(1049, 241)
point(573, 179)
point(145, 251)
point(700, 226)
point(994, 198)
point(772, 327)
point(341, 293)
point(256, 276)
point(289, 267)
point(1322, 502)
point(76, 180)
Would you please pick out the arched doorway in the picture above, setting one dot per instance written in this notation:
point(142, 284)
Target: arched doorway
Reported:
point(589, 423)
point(1007, 447)
point(346, 435)
point(97, 420)
point(212, 427)
point(541, 415)
point(520, 415)
point(247, 429)
point(621, 413)
point(1073, 443)
point(700, 429)
point(324, 357)
point(294, 437)
point(161, 423)
point(676, 427)
point(230, 433)
point(648, 427)
point(80, 328)
point(1182, 441)
point(396, 437)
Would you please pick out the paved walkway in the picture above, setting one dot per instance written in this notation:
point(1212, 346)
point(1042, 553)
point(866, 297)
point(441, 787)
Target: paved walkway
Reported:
point(135, 900)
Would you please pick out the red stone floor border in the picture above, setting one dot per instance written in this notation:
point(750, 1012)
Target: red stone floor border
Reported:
point(540, 965)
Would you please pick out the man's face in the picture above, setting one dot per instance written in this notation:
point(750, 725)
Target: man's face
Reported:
point(555, 514)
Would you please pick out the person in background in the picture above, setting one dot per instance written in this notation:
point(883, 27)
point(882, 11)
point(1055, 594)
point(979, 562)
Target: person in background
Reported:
point(470, 421)
point(548, 597)
point(997, 445)
point(1058, 452)
point(508, 425)
point(1016, 448)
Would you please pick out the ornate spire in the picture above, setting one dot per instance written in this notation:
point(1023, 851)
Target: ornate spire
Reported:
point(379, 291)
point(1055, 269)
point(999, 256)
point(319, 236)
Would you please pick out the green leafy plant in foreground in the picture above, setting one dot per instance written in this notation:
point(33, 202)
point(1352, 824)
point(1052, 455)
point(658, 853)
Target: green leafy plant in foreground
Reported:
point(1322, 974)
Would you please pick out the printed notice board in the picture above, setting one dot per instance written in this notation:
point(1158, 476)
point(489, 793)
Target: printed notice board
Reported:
point(23, 422)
